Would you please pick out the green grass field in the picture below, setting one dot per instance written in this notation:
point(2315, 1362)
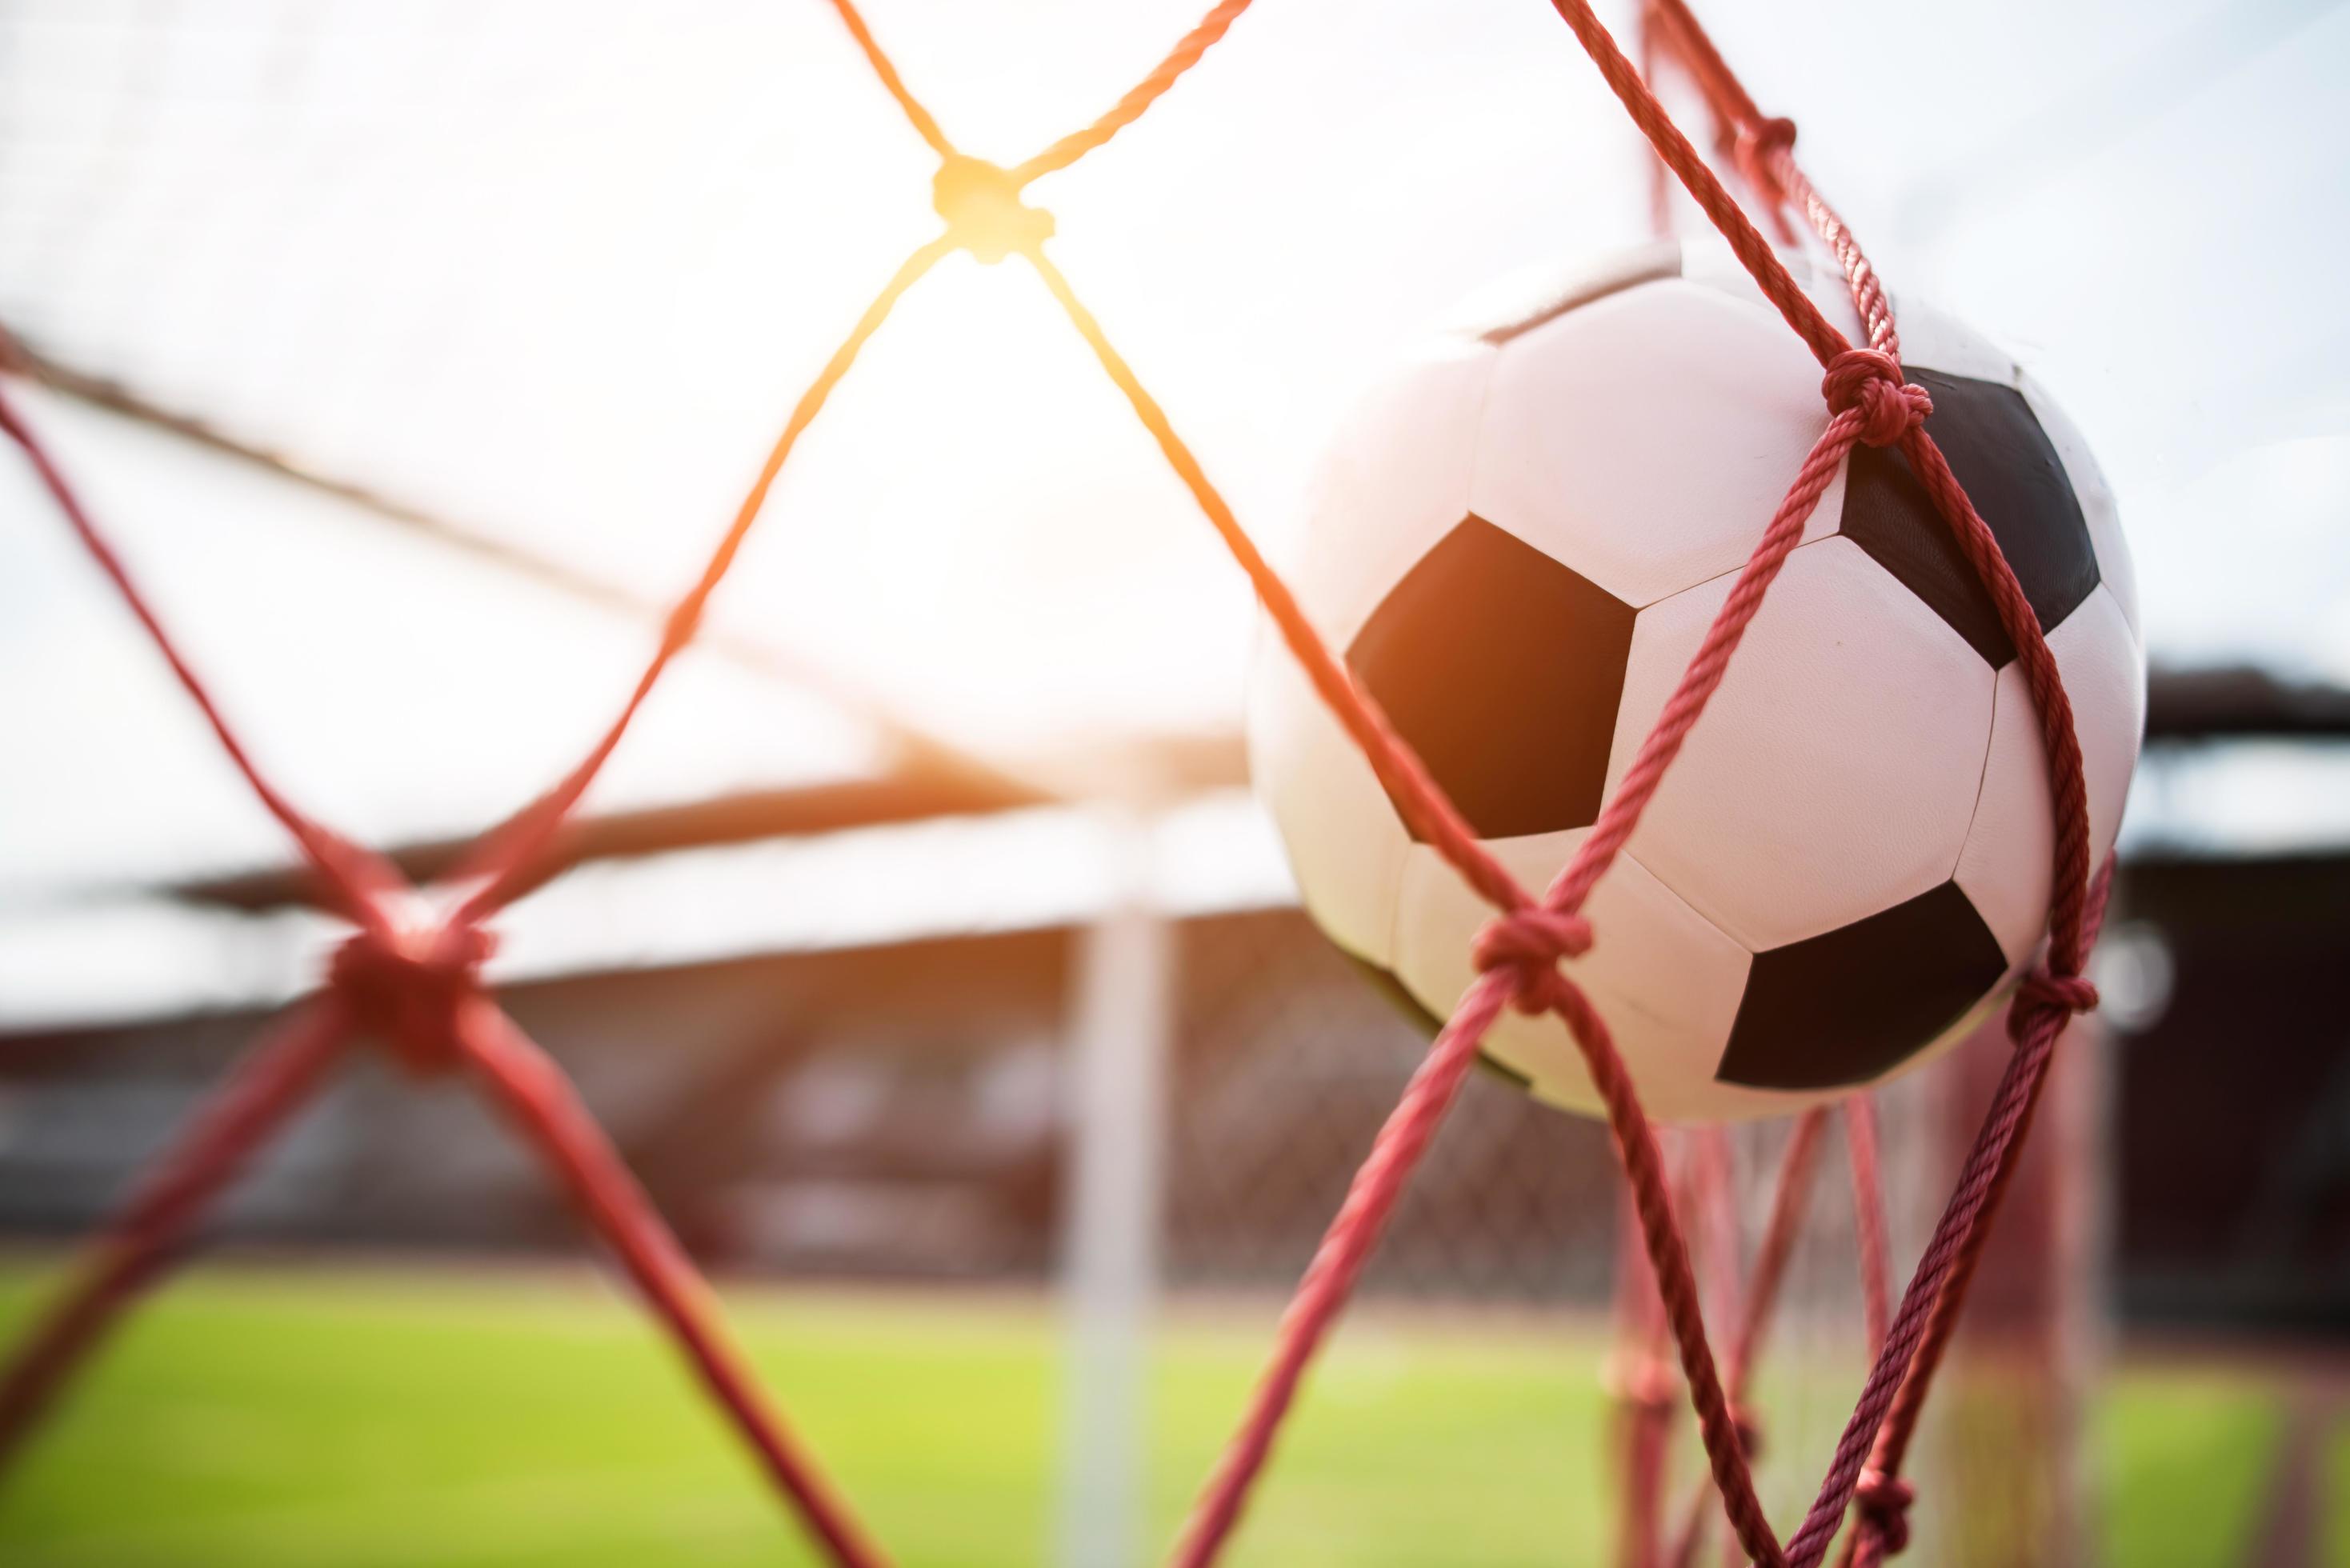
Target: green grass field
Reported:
point(335, 1419)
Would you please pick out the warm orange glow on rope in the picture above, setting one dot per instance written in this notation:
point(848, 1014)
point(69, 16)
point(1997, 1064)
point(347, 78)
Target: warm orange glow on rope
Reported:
point(984, 213)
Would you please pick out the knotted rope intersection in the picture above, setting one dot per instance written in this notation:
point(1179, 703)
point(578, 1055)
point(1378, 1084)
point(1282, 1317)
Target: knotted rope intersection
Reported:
point(1867, 383)
point(406, 987)
point(410, 972)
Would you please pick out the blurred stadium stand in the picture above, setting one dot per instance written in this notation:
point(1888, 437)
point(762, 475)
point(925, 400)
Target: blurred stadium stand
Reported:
point(895, 1108)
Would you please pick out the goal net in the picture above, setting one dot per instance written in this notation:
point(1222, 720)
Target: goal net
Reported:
point(418, 260)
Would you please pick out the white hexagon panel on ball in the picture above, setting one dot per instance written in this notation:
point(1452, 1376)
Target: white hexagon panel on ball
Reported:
point(1518, 540)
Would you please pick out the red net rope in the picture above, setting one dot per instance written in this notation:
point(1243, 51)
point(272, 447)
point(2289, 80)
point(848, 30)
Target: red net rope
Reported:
point(410, 974)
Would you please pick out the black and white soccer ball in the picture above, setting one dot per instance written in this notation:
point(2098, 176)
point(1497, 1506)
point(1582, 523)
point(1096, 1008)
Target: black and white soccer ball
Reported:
point(1518, 540)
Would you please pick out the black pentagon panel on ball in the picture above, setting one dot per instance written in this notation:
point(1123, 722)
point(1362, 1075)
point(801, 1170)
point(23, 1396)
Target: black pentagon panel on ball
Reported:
point(2010, 471)
point(1502, 669)
point(1851, 1004)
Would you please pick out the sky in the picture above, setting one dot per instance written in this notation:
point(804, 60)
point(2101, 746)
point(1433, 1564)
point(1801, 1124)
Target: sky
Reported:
point(555, 272)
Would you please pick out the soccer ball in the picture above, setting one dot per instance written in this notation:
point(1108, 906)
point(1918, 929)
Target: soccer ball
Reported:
point(1518, 540)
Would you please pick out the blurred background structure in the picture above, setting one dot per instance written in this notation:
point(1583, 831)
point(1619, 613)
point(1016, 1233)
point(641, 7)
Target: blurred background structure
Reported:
point(926, 939)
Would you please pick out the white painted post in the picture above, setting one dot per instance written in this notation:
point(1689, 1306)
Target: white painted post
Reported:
point(1122, 1005)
